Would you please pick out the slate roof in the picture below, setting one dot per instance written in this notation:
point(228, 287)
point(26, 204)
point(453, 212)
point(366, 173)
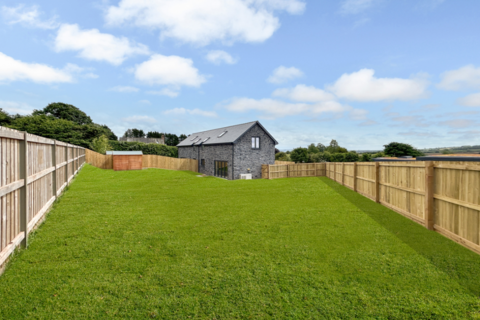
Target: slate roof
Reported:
point(233, 133)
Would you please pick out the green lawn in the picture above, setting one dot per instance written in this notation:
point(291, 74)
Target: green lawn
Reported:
point(169, 245)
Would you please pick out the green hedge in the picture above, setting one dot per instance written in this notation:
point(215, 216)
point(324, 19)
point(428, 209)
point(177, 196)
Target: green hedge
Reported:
point(146, 148)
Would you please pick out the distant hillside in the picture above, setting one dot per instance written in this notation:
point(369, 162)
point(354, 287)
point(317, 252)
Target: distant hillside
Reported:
point(447, 150)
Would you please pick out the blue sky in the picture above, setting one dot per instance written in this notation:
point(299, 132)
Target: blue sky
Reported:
point(363, 72)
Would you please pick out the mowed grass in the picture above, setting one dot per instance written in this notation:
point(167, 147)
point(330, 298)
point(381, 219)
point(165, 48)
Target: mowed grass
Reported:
point(169, 245)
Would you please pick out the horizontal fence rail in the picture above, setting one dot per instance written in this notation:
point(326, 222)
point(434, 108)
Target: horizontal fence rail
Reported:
point(284, 162)
point(293, 170)
point(34, 171)
point(148, 161)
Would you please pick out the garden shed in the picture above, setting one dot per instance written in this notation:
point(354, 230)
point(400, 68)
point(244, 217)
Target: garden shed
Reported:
point(126, 160)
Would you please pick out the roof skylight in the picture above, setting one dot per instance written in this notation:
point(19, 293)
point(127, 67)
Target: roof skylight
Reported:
point(205, 140)
point(194, 138)
point(223, 133)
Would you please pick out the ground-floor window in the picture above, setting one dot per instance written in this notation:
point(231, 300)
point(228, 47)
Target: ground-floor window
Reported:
point(221, 169)
point(202, 163)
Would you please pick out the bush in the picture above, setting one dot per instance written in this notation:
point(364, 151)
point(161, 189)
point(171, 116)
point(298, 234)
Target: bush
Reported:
point(397, 149)
point(146, 148)
point(352, 156)
point(366, 157)
point(100, 144)
point(282, 156)
point(299, 155)
point(338, 157)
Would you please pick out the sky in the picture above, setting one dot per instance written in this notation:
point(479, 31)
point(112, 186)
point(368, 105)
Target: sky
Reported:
point(362, 72)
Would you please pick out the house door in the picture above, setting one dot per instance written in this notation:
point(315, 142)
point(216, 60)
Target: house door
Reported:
point(221, 169)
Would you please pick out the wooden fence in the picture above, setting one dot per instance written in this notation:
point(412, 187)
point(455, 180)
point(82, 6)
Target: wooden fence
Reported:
point(277, 171)
point(148, 161)
point(34, 171)
point(443, 196)
point(284, 162)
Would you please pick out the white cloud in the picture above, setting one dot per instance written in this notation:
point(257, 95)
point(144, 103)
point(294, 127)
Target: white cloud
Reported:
point(16, 107)
point(458, 123)
point(165, 92)
point(127, 89)
point(356, 6)
point(202, 22)
point(464, 78)
point(472, 100)
point(219, 57)
point(16, 70)
point(304, 93)
point(169, 70)
point(274, 108)
point(29, 16)
point(358, 114)
point(94, 45)
point(283, 74)
point(363, 86)
point(196, 112)
point(140, 119)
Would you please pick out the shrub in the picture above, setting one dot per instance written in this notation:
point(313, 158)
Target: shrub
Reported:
point(299, 155)
point(100, 144)
point(146, 148)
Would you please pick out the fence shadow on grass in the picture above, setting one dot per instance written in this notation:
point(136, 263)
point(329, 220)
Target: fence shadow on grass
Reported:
point(456, 261)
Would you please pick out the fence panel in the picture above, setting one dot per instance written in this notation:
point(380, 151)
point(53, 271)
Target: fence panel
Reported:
point(293, 170)
point(366, 179)
point(33, 171)
point(148, 161)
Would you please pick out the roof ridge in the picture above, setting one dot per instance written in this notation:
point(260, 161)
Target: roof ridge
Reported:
point(235, 125)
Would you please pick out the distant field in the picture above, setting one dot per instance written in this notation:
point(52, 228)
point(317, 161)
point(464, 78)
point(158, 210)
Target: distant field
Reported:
point(169, 245)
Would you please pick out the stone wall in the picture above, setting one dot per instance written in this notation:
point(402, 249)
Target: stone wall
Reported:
point(209, 153)
point(248, 158)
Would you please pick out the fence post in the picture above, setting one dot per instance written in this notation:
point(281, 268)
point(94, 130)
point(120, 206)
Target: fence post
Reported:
point(355, 176)
point(377, 182)
point(24, 190)
point(334, 171)
point(343, 173)
point(66, 166)
point(54, 173)
point(429, 190)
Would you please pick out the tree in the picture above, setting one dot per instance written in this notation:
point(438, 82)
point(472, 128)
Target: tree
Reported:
point(397, 149)
point(64, 111)
point(366, 157)
point(282, 156)
point(338, 157)
point(299, 155)
point(333, 146)
point(100, 144)
point(182, 137)
point(138, 133)
point(171, 139)
point(351, 156)
point(154, 134)
point(313, 149)
point(447, 151)
point(321, 147)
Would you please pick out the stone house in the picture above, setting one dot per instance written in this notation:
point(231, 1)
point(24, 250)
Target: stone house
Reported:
point(231, 151)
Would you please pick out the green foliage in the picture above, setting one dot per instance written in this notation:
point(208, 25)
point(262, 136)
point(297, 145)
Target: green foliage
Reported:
point(134, 133)
point(313, 149)
point(335, 148)
point(380, 154)
point(64, 111)
point(320, 157)
point(338, 157)
point(282, 156)
point(447, 151)
point(60, 129)
point(154, 134)
point(352, 156)
point(397, 149)
point(146, 148)
point(321, 147)
point(171, 139)
point(100, 144)
point(366, 157)
point(182, 137)
point(299, 155)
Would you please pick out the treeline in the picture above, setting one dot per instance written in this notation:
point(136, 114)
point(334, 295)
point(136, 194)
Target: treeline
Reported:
point(171, 139)
point(334, 153)
point(58, 121)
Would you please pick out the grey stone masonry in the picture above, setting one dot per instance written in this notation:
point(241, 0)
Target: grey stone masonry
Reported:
point(240, 156)
point(248, 158)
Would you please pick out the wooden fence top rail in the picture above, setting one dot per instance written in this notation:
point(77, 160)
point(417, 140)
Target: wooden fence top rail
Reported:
point(404, 165)
point(457, 167)
point(19, 135)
